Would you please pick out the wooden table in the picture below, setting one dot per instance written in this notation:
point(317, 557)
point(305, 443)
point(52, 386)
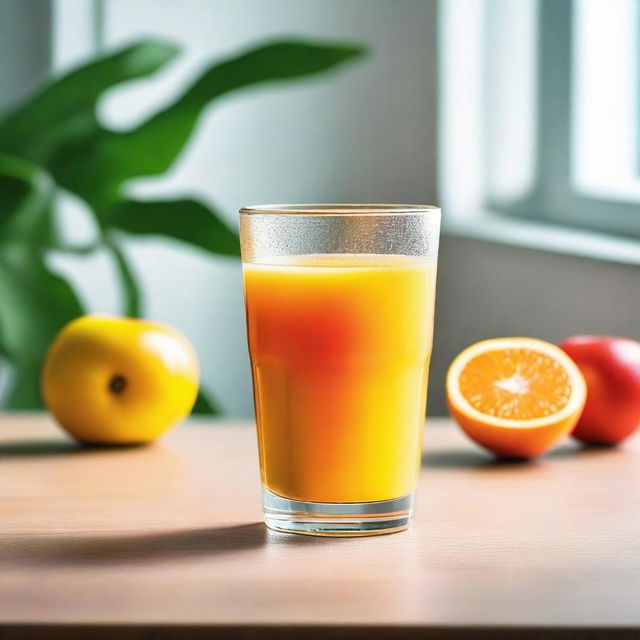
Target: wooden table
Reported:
point(167, 542)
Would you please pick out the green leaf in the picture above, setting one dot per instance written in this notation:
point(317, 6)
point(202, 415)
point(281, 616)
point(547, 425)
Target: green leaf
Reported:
point(15, 187)
point(132, 297)
point(205, 406)
point(26, 193)
point(25, 389)
point(185, 220)
point(4, 352)
point(35, 304)
point(156, 143)
point(96, 165)
point(65, 109)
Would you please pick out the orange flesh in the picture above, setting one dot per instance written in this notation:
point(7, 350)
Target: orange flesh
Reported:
point(515, 384)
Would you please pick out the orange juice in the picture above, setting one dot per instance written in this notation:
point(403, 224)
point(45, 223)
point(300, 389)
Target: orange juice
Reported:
point(340, 347)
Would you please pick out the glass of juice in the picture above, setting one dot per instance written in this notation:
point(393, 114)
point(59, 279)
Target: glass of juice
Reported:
point(339, 301)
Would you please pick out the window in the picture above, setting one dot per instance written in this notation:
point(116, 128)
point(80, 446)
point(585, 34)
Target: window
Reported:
point(540, 113)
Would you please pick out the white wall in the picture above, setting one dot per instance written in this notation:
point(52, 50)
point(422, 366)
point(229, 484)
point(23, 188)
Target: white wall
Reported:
point(25, 40)
point(364, 133)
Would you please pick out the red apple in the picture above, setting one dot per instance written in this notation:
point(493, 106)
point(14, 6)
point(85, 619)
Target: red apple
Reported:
point(611, 367)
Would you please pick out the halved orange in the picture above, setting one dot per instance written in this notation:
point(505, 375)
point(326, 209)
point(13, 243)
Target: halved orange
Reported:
point(515, 396)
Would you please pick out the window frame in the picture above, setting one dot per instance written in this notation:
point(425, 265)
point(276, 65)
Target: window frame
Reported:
point(553, 214)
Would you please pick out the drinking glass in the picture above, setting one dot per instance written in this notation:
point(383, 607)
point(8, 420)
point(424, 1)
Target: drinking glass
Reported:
point(339, 302)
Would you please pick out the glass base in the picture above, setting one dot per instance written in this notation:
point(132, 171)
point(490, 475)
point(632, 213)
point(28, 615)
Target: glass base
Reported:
point(337, 519)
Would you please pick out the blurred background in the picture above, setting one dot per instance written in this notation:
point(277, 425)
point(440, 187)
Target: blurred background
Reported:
point(519, 117)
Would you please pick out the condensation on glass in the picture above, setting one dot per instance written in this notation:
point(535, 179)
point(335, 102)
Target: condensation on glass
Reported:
point(269, 231)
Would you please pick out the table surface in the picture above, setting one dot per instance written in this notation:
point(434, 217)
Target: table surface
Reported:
point(169, 538)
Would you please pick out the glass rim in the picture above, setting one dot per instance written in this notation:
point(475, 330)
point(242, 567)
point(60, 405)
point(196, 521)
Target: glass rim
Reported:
point(340, 209)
